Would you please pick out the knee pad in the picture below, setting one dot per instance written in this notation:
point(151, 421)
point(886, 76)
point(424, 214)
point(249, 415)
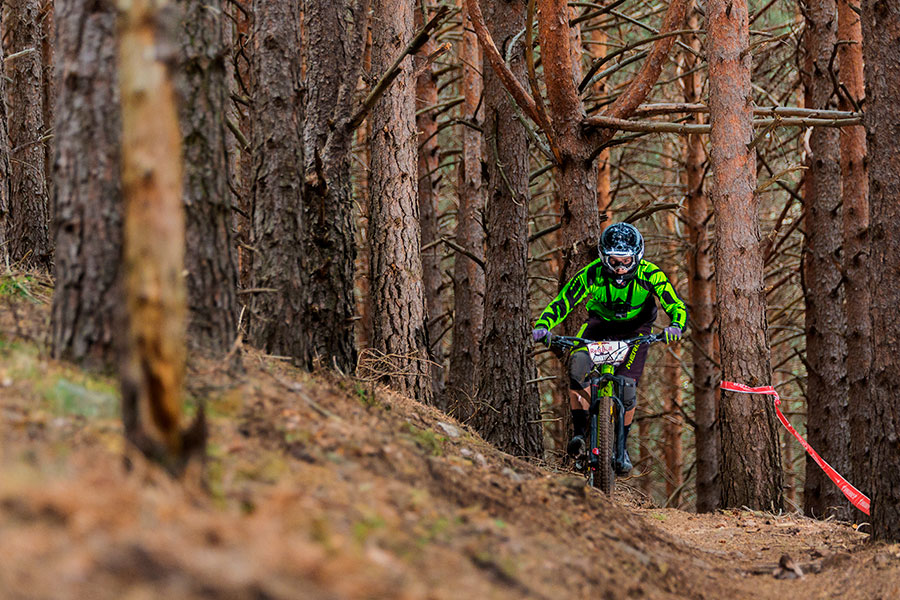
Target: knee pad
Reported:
point(629, 393)
point(579, 366)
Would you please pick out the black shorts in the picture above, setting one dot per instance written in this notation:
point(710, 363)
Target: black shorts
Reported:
point(580, 362)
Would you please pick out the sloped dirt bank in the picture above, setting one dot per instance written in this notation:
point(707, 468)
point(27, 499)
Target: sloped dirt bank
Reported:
point(319, 487)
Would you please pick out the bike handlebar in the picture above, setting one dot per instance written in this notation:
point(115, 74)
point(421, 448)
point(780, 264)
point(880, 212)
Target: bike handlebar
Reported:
point(567, 342)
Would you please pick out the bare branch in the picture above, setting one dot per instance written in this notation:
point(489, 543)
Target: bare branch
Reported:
point(611, 123)
point(640, 86)
point(519, 94)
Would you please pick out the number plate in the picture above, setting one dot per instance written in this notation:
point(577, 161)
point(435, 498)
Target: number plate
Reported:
point(608, 353)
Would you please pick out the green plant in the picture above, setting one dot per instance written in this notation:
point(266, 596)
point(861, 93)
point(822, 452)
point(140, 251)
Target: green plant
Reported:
point(17, 286)
point(425, 439)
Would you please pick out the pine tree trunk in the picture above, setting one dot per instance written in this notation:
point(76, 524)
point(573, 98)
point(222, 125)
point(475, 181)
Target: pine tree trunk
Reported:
point(29, 224)
point(750, 459)
point(336, 39)
point(152, 371)
point(243, 90)
point(881, 51)
point(398, 296)
point(49, 93)
point(508, 413)
point(673, 425)
point(5, 223)
point(468, 276)
point(276, 307)
point(702, 293)
point(360, 176)
point(87, 296)
point(855, 253)
point(212, 272)
point(576, 175)
point(429, 180)
point(827, 419)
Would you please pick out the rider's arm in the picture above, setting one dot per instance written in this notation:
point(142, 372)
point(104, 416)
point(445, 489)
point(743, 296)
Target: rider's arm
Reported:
point(573, 293)
point(668, 298)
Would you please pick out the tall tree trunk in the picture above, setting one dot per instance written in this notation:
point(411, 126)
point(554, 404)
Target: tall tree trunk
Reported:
point(336, 39)
point(48, 92)
point(881, 49)
point(29, 226)
point(598, 50)
point(855, 212)
point(673, 425)
point(87, 298)
point(827, 419)
point(508, 414)
point(242, 12)
point(576, 174)
point(211, 268)
point(276, 305)
point(468, 276)
point(361, 179)
point(5, 223)
point(701, 286)
point(152, 371)
point(398, 297)
point(750, 458)
point(429, 180)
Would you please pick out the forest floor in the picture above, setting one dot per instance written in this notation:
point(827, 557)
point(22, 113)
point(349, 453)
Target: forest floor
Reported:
point(321, 487)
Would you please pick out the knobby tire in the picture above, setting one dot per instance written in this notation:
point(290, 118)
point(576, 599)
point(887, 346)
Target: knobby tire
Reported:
point(604, 478)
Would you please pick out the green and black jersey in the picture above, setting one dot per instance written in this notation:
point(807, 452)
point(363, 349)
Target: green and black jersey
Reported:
point(624, 307)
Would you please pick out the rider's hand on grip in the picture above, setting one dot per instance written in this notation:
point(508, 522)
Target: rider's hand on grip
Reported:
point(541, 335)
point(672, 333)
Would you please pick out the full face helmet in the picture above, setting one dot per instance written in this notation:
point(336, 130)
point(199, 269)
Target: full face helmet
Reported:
point(621, 245)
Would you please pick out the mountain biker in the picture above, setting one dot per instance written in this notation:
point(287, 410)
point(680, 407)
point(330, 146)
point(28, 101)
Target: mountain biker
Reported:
point(620, 287)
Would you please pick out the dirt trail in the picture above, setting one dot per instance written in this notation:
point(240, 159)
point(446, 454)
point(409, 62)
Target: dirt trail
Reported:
point(323, 488)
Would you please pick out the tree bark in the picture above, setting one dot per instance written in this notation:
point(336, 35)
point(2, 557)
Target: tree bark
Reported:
point(701, 286)
point(49, 93)
point(28, 229)
point(750, 459)
point(508, 413)
point(86, 316)
point(827, 420)
point(336, 40)
point(5, 223)
point(673, 425)
point(468, 276)
point(576, 174)
point(152, 371)
point(398, 297)
point(211, 268)
point(429, 181)
point(243, 88)
point(276, 306)
point(881, 51)
point(855, 255)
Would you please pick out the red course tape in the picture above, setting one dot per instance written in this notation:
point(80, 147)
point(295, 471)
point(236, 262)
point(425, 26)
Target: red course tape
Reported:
point(856, 498)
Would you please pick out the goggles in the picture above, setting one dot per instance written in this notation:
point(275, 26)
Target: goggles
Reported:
point(619, 262)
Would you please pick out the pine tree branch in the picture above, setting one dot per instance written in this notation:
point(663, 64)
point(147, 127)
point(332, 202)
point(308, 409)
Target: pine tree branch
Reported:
point(522, 98)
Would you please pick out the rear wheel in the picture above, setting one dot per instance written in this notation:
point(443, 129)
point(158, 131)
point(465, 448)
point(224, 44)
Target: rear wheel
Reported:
point(603, 477)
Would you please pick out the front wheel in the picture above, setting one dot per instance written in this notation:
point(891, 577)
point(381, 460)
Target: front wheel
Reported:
point(602, 475)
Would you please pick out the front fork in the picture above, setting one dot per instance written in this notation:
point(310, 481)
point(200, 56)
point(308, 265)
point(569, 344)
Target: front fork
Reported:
point(617, 384)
